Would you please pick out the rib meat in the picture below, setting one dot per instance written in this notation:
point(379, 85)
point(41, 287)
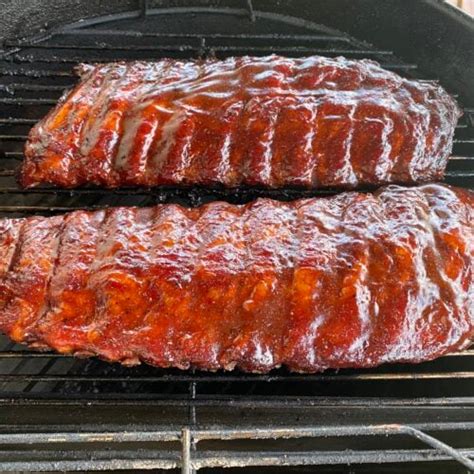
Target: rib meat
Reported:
point(354, 280)
point(271, 121)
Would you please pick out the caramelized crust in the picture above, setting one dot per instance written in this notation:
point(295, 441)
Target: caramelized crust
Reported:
point(353, 280)
point(271, 121)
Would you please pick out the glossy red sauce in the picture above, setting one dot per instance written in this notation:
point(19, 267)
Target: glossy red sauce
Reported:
point(269, 121)
point(353, 280)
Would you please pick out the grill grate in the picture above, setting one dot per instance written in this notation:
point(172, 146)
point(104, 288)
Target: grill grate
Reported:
point(81, 408)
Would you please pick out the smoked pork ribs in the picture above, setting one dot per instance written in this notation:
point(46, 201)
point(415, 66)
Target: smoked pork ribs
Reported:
point(310, 122)
point(353, 280)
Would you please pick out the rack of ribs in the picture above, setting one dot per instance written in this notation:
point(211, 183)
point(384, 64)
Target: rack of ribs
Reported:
point(353, 280)
point(312, 122)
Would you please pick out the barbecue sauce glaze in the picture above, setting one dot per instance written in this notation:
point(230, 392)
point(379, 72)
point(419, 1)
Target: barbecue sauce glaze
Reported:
point(311, 122)
point(353, 280)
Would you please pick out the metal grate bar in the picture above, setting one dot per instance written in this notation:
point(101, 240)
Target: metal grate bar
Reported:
point(143, 8)
point(35, 73)
point(86, 465)
point(49, 208)
point(201, 459)
point(122, 47)
point(278, 401)
point(459, 174)
point(29, 354)
point(96, 437)
point(251, 10)
point(230, 459)
point(219, 36)
point(13, 137)
point(212, 459)
point(325, 431)
point(239, 377)
point(186, 442)
point(385, 430)
point(226, 459)
point(17, 121)
point(24, 101)
point(13, 87)
point(209, 51)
